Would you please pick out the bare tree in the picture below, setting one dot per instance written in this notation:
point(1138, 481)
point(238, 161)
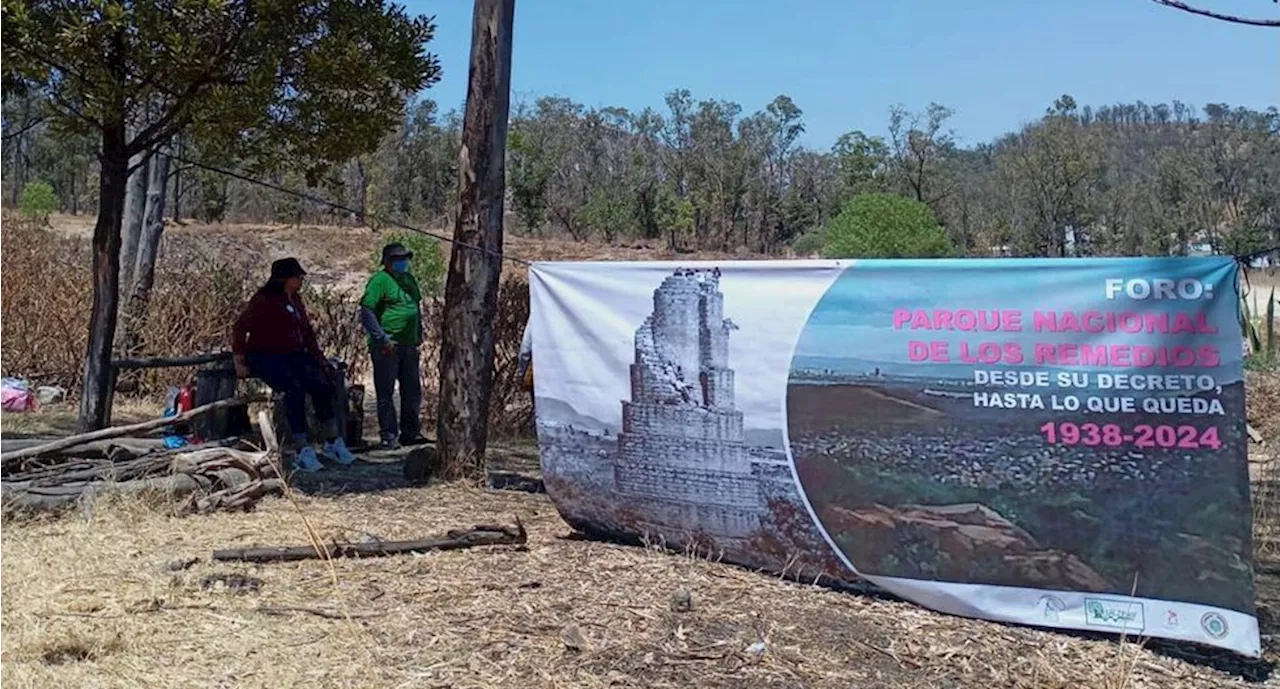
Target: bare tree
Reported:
point(471, 292)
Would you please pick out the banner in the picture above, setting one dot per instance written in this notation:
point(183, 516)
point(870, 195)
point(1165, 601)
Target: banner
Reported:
point(1057, 443)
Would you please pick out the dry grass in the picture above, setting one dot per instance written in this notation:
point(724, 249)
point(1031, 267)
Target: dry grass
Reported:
point(90, 600)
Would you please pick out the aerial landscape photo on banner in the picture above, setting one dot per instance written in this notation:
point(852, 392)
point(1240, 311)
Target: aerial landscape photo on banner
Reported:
point(1058, 443)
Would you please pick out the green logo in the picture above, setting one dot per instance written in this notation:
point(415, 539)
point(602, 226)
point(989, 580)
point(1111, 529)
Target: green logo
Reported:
point(1113, 613)
point(1214, 625)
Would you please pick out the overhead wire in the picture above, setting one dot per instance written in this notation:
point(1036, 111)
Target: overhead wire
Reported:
point(337, 206)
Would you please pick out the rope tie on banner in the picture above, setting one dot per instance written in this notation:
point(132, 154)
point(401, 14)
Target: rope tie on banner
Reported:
point(337, 206)
point(1243, 261)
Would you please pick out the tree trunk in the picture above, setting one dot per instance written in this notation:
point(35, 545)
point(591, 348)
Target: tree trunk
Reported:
point(95, 400)
point(362, 192)
point(177, 183)
point(466, 351)
point(144, 268)
point(135, 205)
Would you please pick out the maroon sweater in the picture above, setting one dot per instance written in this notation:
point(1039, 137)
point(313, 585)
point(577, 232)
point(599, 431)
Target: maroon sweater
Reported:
point(274, 323)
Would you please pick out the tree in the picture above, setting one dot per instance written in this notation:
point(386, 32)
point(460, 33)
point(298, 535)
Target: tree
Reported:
point(1232, 18)
point(885, 226)
point(38, 201)
point(920, 146)
point(475, 266)
point(862, 161)
point(313, 82)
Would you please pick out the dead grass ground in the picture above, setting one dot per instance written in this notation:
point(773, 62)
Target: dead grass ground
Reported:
point(59, 419)
point(89, 600)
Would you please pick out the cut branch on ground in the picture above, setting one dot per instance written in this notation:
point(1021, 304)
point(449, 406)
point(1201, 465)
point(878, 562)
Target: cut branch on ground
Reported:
point(480, 535)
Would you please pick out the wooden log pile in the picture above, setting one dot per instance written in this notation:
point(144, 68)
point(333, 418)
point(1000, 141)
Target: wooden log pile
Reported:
point(201, 479)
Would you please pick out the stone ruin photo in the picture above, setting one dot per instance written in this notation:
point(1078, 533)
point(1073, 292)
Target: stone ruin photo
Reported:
point(682, 470)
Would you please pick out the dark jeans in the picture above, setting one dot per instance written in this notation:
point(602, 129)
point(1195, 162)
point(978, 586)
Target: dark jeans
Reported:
point(296, 376)
point(389, 368)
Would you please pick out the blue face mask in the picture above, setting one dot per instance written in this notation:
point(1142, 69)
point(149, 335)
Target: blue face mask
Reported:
point(400, 265)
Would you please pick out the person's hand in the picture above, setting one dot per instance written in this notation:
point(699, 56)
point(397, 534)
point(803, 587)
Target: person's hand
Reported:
point(242, 369)
point(388, 347)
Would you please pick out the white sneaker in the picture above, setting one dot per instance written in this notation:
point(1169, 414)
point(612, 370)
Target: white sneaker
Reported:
point(307, 460)
point(337, 451)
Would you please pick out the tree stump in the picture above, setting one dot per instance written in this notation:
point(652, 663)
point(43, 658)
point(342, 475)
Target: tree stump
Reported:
point(421, 464)
point(218, 382)
point(354, 427)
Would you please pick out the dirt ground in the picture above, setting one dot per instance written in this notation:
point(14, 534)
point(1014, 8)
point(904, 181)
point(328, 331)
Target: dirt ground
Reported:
point(101, 599)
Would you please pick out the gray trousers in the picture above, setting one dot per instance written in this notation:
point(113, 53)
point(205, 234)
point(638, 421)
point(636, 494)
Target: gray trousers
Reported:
point(390, 368)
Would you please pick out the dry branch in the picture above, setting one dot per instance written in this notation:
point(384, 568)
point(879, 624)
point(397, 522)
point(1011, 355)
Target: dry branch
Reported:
point(58, 497)
point(211, 478)
point(12, 459)
point(477, 536)
point(172, 361)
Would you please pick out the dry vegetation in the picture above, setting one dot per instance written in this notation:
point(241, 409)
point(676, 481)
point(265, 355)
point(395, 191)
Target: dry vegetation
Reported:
point(122, 594)
point(203, 276)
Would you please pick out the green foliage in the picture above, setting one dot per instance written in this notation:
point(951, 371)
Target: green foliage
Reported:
point(810, 243)
point(428, 263)
point(863, 162)
point(38, 201)
point(885, 226)
point(529, 174)
point(607, 214)
point(673, 216)
point(307, 82)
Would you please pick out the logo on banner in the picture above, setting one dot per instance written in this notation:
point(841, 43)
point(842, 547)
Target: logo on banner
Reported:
point(1050, 606)
point(1116, 614)
point(1171, 619)
point(1214, 625)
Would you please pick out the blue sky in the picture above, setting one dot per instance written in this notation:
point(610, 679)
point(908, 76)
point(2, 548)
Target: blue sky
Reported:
point(998, 63)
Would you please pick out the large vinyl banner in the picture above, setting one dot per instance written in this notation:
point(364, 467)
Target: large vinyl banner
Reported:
point(1049, 442)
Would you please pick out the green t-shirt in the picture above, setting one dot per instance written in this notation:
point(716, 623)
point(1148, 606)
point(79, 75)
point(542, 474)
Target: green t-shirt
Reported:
point(396, 301)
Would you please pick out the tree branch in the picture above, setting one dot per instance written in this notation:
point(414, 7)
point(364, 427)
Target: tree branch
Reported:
point(28, 127)
point(1217, 15)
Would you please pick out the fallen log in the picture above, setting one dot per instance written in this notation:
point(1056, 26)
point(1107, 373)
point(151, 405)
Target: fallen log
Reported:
point(477, 536)
point(54, 498)
point(77, 470)
point(115, 448)
point(171, 361)
point(236, 498)
point(12, 459)
point(210, 477)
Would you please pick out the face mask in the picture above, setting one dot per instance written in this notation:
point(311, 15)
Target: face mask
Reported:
point(400, 265)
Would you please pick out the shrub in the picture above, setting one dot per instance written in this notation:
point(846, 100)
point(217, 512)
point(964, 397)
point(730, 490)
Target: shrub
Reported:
point(885, 226)
point(428, 264)
point(809, 244)
point(38, 201)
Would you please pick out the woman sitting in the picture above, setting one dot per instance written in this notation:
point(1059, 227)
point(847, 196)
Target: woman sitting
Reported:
point(273, 341)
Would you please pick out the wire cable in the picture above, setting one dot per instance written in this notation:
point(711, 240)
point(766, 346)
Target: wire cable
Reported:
point(337, 206)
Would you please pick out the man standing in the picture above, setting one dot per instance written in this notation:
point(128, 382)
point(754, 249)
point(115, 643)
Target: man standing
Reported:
point(391, 313)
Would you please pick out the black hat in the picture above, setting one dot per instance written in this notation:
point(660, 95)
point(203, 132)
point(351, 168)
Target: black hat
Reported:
point(395, 250)
point(286, 268)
